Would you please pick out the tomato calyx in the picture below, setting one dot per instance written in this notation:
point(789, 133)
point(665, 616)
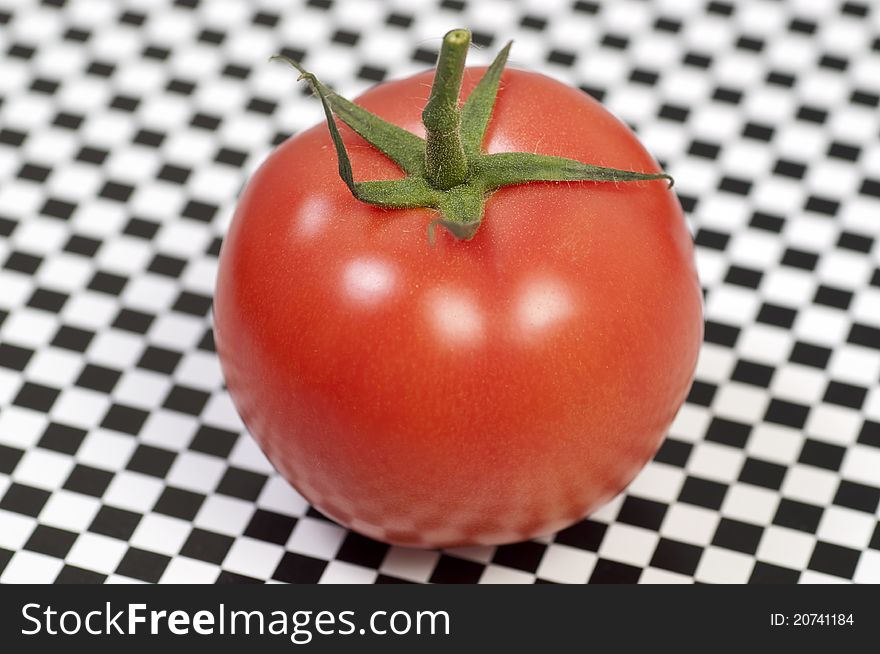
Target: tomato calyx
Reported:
point(448, 171)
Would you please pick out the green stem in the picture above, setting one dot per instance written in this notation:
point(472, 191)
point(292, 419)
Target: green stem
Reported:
point(446, 165)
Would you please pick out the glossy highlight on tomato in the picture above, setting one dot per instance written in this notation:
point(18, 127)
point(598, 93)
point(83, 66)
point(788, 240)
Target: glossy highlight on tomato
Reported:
point(461, 392)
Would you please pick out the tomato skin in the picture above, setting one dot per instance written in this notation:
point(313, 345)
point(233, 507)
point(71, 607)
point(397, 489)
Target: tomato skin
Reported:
point(460, 393)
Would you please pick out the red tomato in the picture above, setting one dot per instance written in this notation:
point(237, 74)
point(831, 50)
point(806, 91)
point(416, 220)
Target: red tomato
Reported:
point(466, 392)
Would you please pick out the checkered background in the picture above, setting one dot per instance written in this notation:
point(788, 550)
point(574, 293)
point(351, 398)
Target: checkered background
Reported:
point(128, 128)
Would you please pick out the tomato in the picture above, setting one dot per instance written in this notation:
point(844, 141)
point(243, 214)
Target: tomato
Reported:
point(461, 392)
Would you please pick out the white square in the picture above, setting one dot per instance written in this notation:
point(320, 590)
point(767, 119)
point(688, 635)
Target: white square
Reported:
point(20, 428)
point(102, 448)
point(279, 496)
point(786, 547)
point(96, 552)
point(658, 576)
point(750, 504)
point(716, 462)
point(658, 482)
point(16, 530)
point(133, 491)
point(80, 407)
point(316, 538)
point(182, 570)
point(690, 524)
point(722, 566)
point(43, 469)
point(71, 511)
point(196, 472)
point(566, 565)
point(846, 527)
point(627, 544)
point(868, 568)
point(159, 533)
point(410, 564)
point(340, 572)
point(253, 558)
point(810, 485)
point(861, 463)
point(31, 568)
point(225, 515)
point(497, 574)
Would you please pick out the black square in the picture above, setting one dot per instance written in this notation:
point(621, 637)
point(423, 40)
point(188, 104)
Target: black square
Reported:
point(855, 242)
point(875, 538)
point(527, 22)
point(68, 121)
point(299, 569)
point(193, 304)
point(261, 106)
point(561, 57)
point(857, 496)
point(767, 573)
point(772, 314)
point(167, 266)
point(62, 438)
point(50, 541)
point(453, 570)
point(642, 513)
point(674, 452)
point(125, 419)
point(87, 247)
point(767, 222)
point(758, 132)
point(199, 211)
point(7, 226)
point(738, 536)
point(143, 565)
point(585, 535)
point(204, 121)
point(88, 480)
point(844, 151)
point(22, 262)
point(14, 357)
point(522, 556)
point(361, 550)
point(180, 86)
point(243, 484)
point(71, 574)
point(270, 527)
point(721, 334)
point(24, 499)
point(399, 20)
point(612, 572)
point(133, 321)
point(104, 282)
point(231, 157)
point(793, 169)
point(702, 492)
point(871, 186)
point(159, 360)
point(98, 378)
point(151, 460)
point(674, 113)
point(149, 138)
point(870, 433)
point(263, 18)
point(864, 335)
point(739, 276)
point(116, 523)
point(649, 78)
point(797, 515)
point(846, 395)
point(36, 397)
point(787, 413)
point(207, 546)
point(179, 503)
point(174, 174)
point(800, 259)
point(709, 238)
point(91, 155)
point(822, 205)
point(9, 458)
point(226, 577)
point(762, 473)
point(186, 400)
point(675, 556)
point(834, 560)
point(810, 355)
point(728, 432)
point(141, 228)
point(33, 173)
point(5, 558)
point(425, 56)
point(822, 455)
point(701, 393)
point(12, 137)
point(752, 373)
point(211, 440)
point(116, 191)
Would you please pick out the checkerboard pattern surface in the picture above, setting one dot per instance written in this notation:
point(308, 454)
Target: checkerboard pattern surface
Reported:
point(128, 128)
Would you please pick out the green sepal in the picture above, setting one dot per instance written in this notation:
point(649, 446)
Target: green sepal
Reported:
point(508, 168)
point(404, 148)
point(477, 109)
